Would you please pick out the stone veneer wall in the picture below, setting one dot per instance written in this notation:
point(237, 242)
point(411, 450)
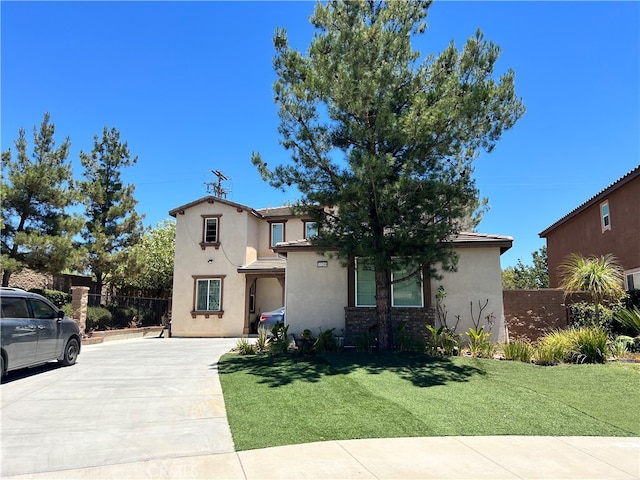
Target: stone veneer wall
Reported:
point(359, 320)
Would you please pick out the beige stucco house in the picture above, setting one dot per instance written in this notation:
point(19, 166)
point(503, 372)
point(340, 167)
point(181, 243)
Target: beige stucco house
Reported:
point(233, 262)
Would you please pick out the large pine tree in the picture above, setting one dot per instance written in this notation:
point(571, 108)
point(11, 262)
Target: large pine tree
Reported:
point(112, 224)
point(386, 138)
point(36, 192)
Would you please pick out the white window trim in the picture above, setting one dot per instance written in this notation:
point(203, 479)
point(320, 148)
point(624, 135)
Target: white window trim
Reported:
point(635, 272)
point(603, 216)
point(408, 306)
point(393, 305)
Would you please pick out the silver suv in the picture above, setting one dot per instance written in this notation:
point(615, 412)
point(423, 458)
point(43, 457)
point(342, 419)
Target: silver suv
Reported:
point(33, 331)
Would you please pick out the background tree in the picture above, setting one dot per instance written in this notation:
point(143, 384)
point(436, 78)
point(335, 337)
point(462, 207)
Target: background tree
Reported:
point(602, 277)
point(112, 224)
point(35, 193)
point(149, 269)
point(385, 140)
point(528, 276)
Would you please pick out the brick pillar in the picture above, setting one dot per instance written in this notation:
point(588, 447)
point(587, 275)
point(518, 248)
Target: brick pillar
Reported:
point(79, 301)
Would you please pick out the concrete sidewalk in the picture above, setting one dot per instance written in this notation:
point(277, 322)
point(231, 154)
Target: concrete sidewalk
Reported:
point(399, 458)
point(153, 408)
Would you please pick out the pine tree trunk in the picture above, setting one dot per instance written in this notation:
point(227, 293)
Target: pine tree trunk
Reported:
point(383, 309)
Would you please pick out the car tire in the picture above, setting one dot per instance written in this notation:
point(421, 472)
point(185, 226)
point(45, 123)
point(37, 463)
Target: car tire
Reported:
point(1, 367)
point(71, 351)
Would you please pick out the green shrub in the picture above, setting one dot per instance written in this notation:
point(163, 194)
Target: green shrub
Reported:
point(326, 342)
point(480, 344)
point(263, 342)
point(68, 311)
point(619, 347)
point(56, 297)
point(555, 347)
point(98, 318)
point(279, 343)
point(591, 345)
point(574, 345)
point(630, 318)
point(583, 314)
point(442, 341)
point(519, 350)
point(244, 347)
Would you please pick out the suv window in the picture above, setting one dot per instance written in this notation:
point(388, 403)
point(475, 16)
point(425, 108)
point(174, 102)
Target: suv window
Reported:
point(41, 310)
point(13, 307)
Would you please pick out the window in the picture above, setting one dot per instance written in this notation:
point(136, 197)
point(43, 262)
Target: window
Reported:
point(365, 284)
point(408, 293)
point(41, 310)
point(14, 308)
point(209, 294)
point(633, 280)
point(606, 219)
point(210, 231)
point(277, 233)
point(310, 229)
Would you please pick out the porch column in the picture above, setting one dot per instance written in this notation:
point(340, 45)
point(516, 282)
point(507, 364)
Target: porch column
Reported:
point(79, 302)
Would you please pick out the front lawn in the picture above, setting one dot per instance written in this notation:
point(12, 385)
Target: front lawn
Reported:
point(285, 400)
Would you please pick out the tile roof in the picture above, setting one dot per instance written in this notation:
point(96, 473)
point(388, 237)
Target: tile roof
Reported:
point(265, 265)
point(463, 239)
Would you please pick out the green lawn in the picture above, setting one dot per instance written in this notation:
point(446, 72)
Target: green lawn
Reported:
point(274, 401)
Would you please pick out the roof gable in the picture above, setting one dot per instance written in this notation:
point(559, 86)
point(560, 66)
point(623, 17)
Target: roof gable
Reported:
point(593, 200)
point(211, 199)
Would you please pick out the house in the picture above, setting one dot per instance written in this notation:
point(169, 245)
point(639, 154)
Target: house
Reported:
point(233, 262)
point(609, 222)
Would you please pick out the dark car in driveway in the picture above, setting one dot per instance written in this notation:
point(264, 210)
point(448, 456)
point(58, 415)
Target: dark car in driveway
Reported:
point(33, 331)
point(268, 320)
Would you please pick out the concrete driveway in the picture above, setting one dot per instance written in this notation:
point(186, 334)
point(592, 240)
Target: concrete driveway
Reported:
point(127, 401)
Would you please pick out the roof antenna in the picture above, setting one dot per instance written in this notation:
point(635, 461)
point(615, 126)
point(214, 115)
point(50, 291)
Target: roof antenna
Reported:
point(216, 188)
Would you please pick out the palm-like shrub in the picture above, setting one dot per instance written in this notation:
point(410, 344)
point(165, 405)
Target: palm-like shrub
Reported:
point(602, 277)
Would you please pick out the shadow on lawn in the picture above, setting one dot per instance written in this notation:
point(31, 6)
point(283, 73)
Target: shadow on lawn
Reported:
point(420, 370)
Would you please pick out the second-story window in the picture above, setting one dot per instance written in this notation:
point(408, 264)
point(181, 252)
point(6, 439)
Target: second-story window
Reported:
point(277, 233)
point(310, 229)
point(605, 217)
point(210, 231)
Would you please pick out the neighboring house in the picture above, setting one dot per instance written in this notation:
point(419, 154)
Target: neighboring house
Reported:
point(233, 262)
point(608, 222)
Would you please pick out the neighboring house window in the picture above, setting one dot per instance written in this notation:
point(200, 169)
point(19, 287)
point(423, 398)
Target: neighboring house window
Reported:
point(210, 231)
point(277, 233)
point(606, 219)
point(208, 294)
point(408, 293)
point(633, 280)
point(310, 229)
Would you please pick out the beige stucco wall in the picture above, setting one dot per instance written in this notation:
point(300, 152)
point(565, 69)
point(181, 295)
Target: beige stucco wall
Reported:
point(293, 230)
point(315, 296)
point(479, 277)
point(191, 260)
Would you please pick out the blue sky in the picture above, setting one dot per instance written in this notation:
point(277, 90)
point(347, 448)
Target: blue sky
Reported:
point(188, 85)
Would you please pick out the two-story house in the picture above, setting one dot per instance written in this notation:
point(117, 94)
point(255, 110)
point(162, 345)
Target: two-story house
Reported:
point(233, 262)
point(609, 222)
